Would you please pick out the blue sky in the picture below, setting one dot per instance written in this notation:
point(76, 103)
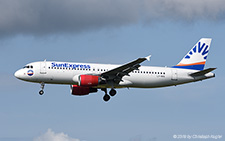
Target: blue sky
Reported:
point(132, 115)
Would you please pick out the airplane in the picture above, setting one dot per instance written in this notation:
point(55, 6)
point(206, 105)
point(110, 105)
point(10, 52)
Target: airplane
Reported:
point(86, 78)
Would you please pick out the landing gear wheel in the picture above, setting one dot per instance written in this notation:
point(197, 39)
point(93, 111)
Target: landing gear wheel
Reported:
point(112, 92)
point(106, 97)
point(41, 92)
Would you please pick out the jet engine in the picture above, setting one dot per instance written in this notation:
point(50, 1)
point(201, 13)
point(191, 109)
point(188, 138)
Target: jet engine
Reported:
point(79, 90)
point(88, 80)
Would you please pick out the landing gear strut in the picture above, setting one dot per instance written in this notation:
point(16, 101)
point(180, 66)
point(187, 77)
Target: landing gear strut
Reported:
point(41, 92)
point(106, 97)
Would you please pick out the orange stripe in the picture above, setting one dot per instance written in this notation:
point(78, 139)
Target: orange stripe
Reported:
point(200, 63)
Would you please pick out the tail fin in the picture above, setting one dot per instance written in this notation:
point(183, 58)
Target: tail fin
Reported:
point(196, 57)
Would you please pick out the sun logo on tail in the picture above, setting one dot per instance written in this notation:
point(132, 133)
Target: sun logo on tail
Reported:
point(199, 50)
point(196, 57)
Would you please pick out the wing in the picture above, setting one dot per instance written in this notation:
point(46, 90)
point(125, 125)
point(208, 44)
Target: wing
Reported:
point(116, 74)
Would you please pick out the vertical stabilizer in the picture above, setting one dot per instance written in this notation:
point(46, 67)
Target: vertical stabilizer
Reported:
point(196, 57)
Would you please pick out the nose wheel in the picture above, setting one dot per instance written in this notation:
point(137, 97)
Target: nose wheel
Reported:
point(41, 92)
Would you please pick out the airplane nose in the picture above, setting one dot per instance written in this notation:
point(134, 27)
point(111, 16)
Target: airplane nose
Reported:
point(18, 74)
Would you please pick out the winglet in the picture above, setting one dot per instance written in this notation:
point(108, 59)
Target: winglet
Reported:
point(148, 57)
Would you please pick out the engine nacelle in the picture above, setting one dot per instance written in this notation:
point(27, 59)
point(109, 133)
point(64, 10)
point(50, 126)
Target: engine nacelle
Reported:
point(88, 80)
point(78, 90)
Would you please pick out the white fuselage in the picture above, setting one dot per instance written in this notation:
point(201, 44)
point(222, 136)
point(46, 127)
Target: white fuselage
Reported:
point(53, 72)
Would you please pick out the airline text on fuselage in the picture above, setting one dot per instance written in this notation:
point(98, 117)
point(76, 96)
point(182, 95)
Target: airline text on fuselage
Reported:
point(68, 65)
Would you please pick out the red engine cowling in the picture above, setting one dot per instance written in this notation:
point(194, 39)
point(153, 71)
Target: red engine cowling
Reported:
point(78, 90)
point(88, 80)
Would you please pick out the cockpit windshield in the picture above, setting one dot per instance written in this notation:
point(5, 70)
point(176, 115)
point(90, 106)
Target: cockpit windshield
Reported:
point(29, 66)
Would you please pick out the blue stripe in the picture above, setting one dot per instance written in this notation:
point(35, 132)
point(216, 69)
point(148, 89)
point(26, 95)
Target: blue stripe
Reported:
point(193, 67)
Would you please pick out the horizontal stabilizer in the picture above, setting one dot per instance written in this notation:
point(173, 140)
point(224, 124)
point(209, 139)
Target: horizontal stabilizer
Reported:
point(203, 72)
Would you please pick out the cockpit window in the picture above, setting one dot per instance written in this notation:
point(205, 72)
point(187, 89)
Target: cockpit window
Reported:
point(28, 67)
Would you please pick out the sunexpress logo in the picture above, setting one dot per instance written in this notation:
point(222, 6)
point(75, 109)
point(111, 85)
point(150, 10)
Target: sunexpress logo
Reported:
point(67, 65)
point(199, 49)
point(30, 72)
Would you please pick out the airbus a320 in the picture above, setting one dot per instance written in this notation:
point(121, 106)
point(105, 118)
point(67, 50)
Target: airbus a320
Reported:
point(86, 78)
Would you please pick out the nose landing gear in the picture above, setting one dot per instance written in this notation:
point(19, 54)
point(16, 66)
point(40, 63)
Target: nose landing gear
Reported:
point(41, 92)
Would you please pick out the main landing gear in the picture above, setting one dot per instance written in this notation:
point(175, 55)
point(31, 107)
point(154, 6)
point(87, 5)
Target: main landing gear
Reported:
point(112, 92)
point(41, 92)
point(106, 97)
